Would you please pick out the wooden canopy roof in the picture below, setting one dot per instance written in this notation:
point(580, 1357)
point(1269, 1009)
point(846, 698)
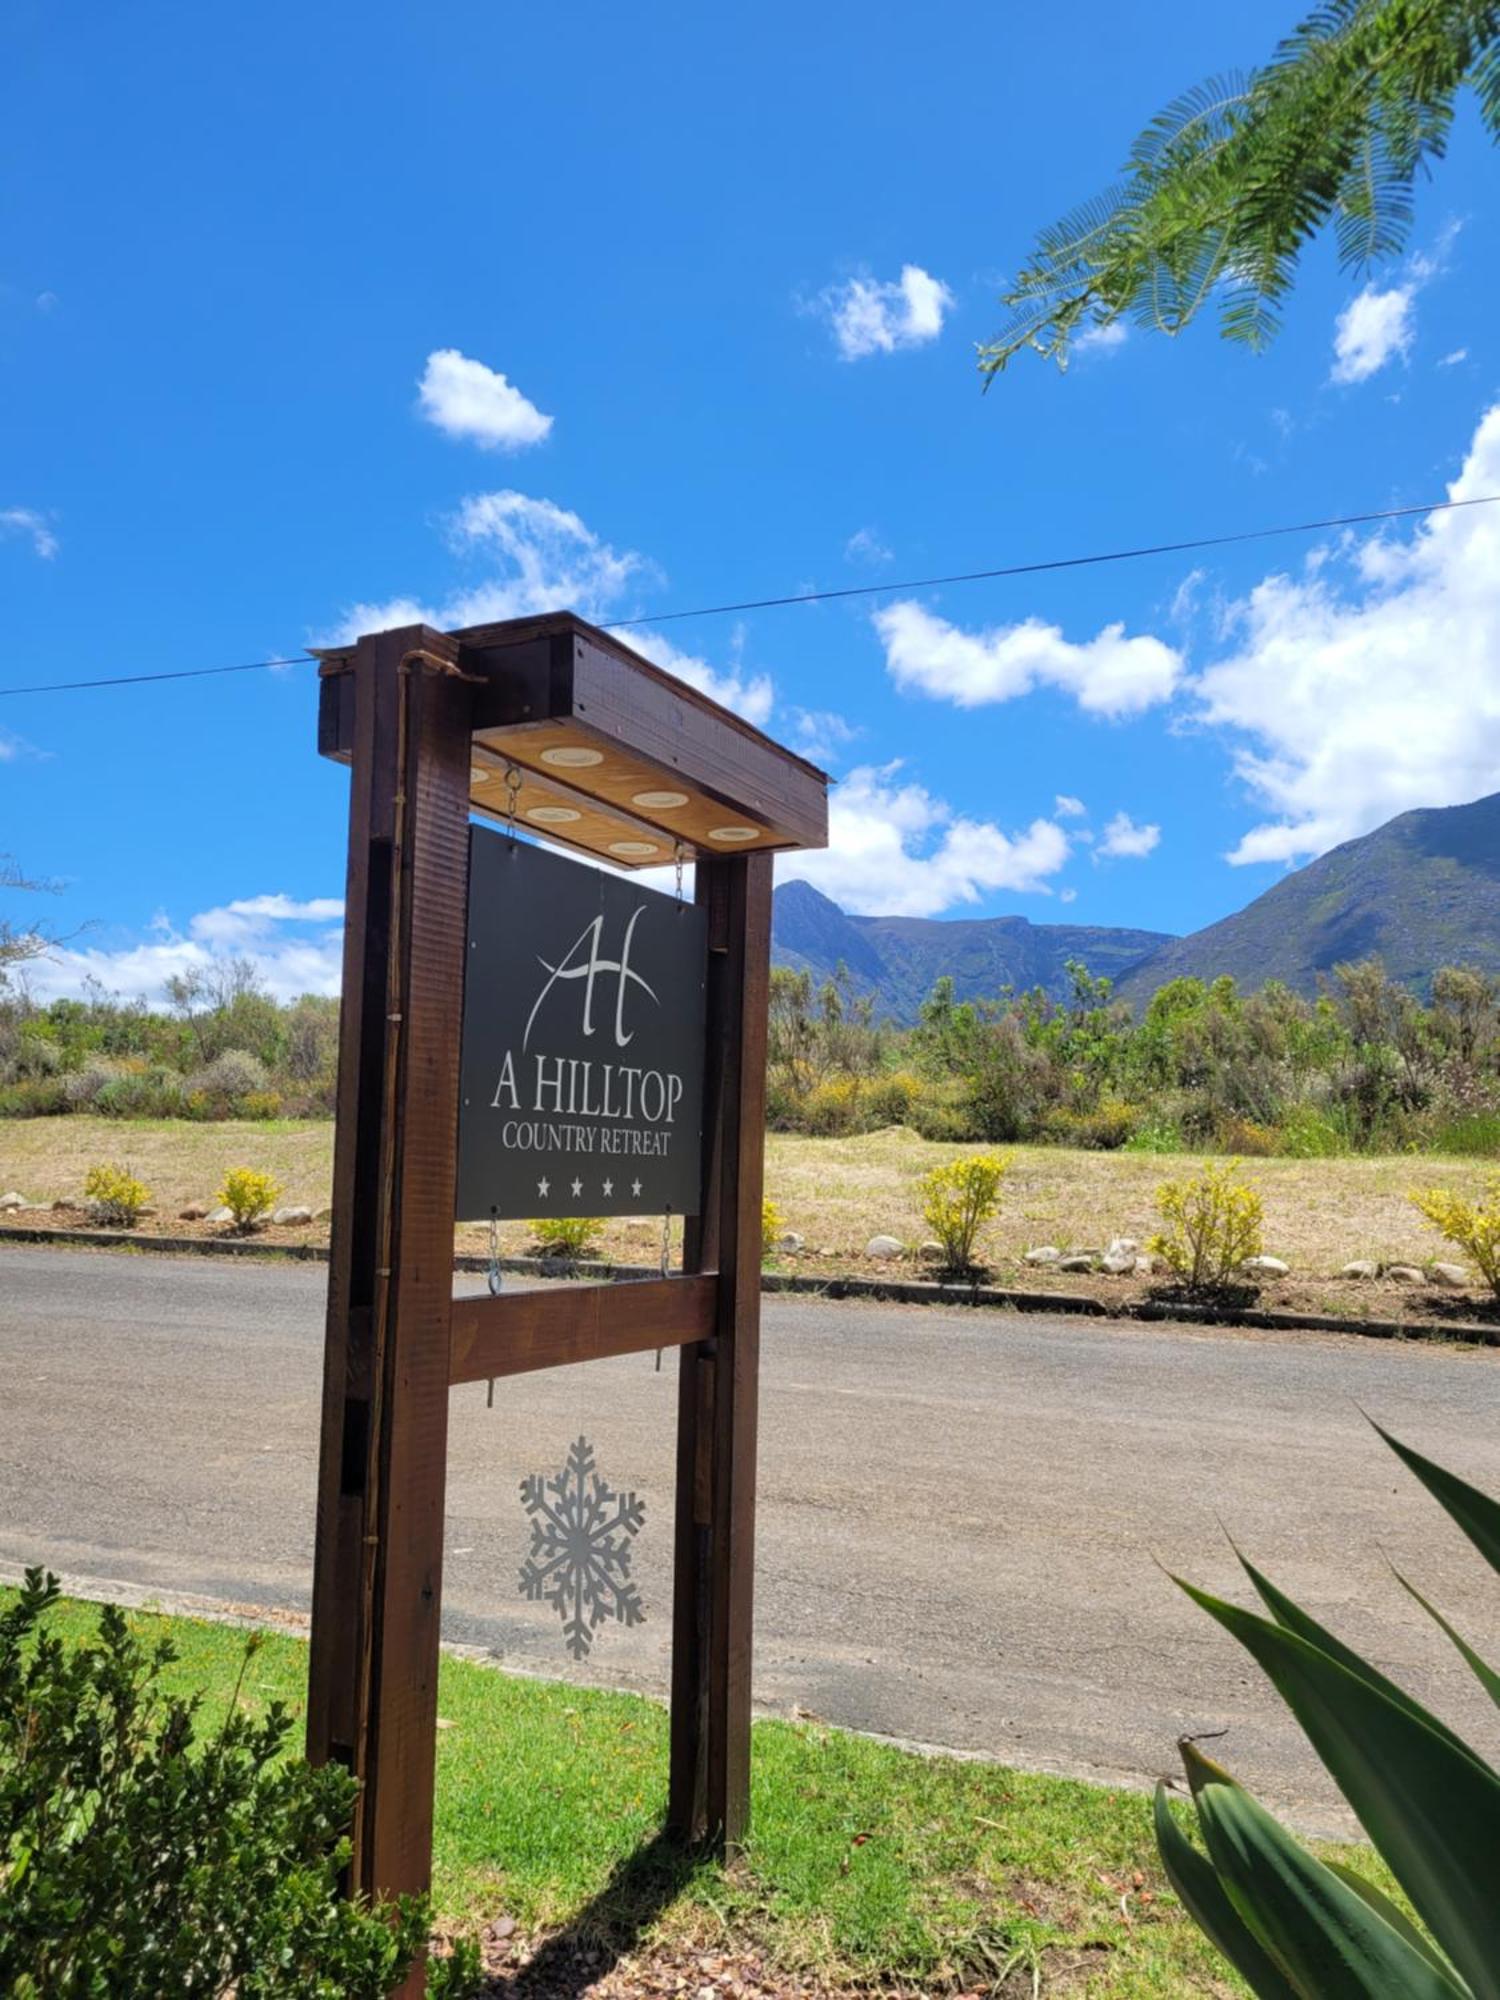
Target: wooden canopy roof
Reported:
point(598, 749)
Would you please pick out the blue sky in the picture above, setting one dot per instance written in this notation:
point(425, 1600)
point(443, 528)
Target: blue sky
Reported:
point(316, 312)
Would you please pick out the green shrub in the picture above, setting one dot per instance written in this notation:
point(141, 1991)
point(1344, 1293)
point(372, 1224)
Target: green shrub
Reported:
point(40, 1097)
point(115, 1195)
point(831, 1108)
point(889, 1099)
point(232, 1075)
point(1213, 1223)
point(772, 1223)
point(258, 1104)
point(1476, 1137)
point(1105, 1128)
point(1473, 1225)
point(1156, 1135)
point(570, 1236)
point(248, 1194)
point(1248, 1136)
point(138, 1862)
point(1295, 1927)
point(1307, 1134)
point(957, 1200)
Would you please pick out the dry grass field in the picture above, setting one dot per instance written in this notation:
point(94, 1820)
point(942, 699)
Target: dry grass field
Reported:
point(835, 1193)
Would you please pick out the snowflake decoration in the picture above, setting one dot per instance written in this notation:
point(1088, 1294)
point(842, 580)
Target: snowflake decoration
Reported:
point(581, 1531)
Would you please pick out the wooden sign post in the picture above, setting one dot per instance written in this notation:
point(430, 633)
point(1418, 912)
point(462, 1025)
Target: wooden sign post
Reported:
point(549, 726)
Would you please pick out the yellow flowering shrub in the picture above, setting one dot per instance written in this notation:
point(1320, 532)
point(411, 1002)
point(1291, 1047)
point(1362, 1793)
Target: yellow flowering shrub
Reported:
point(115, 1195)
point(248, 1195)
point(1213, 1223)
point(1473, 1225)
point(958, 1199)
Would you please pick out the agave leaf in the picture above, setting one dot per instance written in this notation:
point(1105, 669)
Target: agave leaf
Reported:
point(1332, 1942)
point(1203, 1897)
point(1488, 1679)
point(1475, 1512)
point(1393, 1913)
point(1432, 1811)
point(1293, 1618)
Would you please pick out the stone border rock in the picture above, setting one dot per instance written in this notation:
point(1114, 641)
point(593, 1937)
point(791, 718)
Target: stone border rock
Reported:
point(894, 1291)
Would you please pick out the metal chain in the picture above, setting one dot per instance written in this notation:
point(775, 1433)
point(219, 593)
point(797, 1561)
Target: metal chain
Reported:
point(678, 858)
point(512, 794)
point(666, 1248)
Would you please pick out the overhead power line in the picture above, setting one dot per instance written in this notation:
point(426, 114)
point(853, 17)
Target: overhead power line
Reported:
point(1188, 547)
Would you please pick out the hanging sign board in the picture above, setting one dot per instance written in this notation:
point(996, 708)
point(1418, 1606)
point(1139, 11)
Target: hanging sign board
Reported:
point(583, 1036)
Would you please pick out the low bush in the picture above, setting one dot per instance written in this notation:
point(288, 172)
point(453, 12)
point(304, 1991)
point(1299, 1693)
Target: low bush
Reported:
point(39, 1097)
point(570, 1236)
point(233, 1075)
point(889, 1099)
point(115, 1195)
point(138, 1862)
point(957, 1200)
point(258, 1104)
point(1155, 1135)
point(248, 1194)
point(832, 1108)
point(1474, 1226)
point(1476, 1137)
point(1213, 1223)
point(1247, 1136)
point(1103, 1128)
point(1308, 1134)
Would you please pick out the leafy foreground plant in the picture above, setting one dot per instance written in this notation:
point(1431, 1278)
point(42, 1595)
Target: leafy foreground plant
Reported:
point(136, 1864)
point(1297, 1928)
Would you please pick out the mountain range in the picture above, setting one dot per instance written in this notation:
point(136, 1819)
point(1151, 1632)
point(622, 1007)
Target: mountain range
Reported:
point(1421, 891)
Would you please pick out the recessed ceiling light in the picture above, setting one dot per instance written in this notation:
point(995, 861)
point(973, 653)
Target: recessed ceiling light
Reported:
point(633, 850)
point(552, 815)
point(732, 835)
point(572, 757)
point(477, 774)
point(661, 801)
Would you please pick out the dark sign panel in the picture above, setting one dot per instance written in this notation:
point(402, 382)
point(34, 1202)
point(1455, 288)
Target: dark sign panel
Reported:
point(582, 1090)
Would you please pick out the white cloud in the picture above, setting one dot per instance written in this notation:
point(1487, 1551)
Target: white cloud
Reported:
point(1067, 895)
point(1374, 328)
point(1109, 674)
point(748, 694)
point(296, 947)
point(1106, 339)
point(1452, 360)
point(873, 316)
point(1067, 807)
point(1380, 323)
point(545, 558)
point(1349, 703)
point(865, 546)
point(895, 850)
point(1125, 840)
point(34, 526)
point(467, 400)
point(542, 558)
point(821, 734)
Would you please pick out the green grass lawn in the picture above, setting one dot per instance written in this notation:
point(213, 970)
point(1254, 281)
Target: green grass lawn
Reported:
point(867, 1865)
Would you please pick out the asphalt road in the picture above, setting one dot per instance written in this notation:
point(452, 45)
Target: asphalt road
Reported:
point(962, 1514)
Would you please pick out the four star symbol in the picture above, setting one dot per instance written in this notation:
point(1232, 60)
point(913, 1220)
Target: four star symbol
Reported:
point(544, 1188)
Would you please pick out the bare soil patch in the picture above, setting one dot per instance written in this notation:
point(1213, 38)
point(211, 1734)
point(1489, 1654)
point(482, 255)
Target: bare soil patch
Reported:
point(836, 1194)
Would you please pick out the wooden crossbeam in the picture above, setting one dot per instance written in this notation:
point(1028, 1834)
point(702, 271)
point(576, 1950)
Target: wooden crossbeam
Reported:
point(522, 1331)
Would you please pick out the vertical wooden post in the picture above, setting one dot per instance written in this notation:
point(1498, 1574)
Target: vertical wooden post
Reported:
point(714, 1580)
point(372, 1698)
